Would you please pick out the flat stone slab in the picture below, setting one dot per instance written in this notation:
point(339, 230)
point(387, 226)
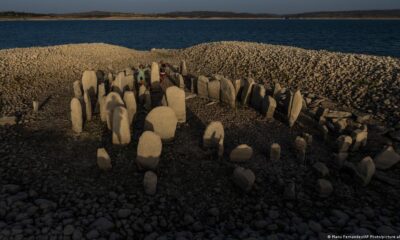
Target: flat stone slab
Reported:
point(214, 90)
point(244, 178)
point(241, 153)
point(121, 133)
point(387, 159)
point(175, 98)
point(162, 120)
point(213, 133)
point(202, 86)
point(228, 92)
point(10, 120)
point(149, 150)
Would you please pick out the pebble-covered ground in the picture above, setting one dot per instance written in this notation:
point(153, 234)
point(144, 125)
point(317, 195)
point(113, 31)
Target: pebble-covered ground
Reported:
point(51, 187)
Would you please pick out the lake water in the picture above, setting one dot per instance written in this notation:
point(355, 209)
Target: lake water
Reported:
point(376, 37)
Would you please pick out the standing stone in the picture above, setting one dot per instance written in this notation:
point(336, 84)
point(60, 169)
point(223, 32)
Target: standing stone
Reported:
point(147, 100)
point(103, 111)
point(89, 83)
point(277, 90)
point(268, 107)
point(121, 133)
point(193, 85)
point(359, 139)
point(214, 89)
point(295, 106)
point(321, 169)
point(149, 151)
point(238, 85)
point(113, 100)
point(130, 103)
point(340, 158)
point(202, 87)
point(88, 106)
point(275, 152)
point(228, 93)
point(142, 90)
point(221, 148)
point(246, 93)
point(103, 159)
point(241, 153)
point(77, 89)
point(213, 134)
point(324, 132)
point(343, 143)
point(150, 183)
point(76, 115)
point(35, 105)
point(128, 71)
point(387, 158)
point(257, 96)
point(324, 188)
point(162, 120)
point(300, 146)
point(155, 75)
point(184, 71)
point(180, 81)
point(175, 98)
point(365, 170)
point(101, 92)
point(308, 137)
point(120, 84)
point(244, 178)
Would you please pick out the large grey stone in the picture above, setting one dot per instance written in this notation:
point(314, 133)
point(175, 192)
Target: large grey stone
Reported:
point(88, 106)
point(113, 100)
point(294, 108)
point(268, 107)
point(213, 133)
point(244, 178)
point(149, 150)
point(89, 83)
point(246, 92)
point(387, 158)
point(103, 159)
point(121, 134)
point(257, 96)
point(214, 89)
point(150, 183)
point(228, 92)
point(130, 103)
point(76, 115)
point(77, 89)
point(162, 120)
point(241, 153)
point(202, 86)
point(365, 170)
point(175, 98)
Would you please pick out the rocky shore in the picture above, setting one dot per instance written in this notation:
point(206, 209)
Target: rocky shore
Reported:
point(52, 188)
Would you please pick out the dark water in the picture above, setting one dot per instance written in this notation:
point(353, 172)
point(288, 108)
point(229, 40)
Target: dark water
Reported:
point(376, 37)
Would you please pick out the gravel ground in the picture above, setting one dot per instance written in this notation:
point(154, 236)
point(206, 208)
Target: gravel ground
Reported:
point(51, 187)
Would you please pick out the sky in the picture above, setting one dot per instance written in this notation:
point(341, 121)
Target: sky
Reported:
point(160, 6)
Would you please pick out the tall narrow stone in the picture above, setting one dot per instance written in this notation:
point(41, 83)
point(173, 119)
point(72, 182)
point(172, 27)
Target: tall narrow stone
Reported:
point(213, 134)
point(120, 84)
point(214, 89)
point(343, 143)
point(130, 103)
point(88, 106)
point(35, 105)
point(365, 170)
point(359, 139)
point(246, 92)
point(150, 183)
point(175, 98)
point(228, 93)
point(77, 89)
point(180, 81)
point(113, 100)
point(103, 111)
point(76, 115)
point(147, 100)
point(277, 90)
point(301, 147)
point(121, 134)
point(221, 148)
point(103, 159)
point(142, 90)
point(101, 92)
point(257, 96)
point(238, 85)
point(268, 107)
point(89, 83)
point(184, 71)
point(244, 178)
point(294, 108)
point(149, 151)
point(162, 120)
point(202, 87)
point(155, 75)
point(275, 152)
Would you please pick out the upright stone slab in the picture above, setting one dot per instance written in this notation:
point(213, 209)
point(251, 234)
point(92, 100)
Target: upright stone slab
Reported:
point(213, 134)
point(184, 71)
point(120, 84)
point(268, 107)
point(77, 89)
point(35, 105)
point(147, 100)
point(360, 138)
point(365, 170)
point(214, 89)
point(121, 133)
point(129, 82)
point(103, 111)
point(113, 100)
point(301, 147)
point(76, 115)
point(244, 178)
point(150, 183)
point(155, 75)
point(101, 92)
point(162, 120)
point(238, 86)
point(221, 148)
point(130, 103)
point(246, 93)
point(241, 153)
point(294, 108)
point(103, 159)
point(275, 152)
point(228, 93)
point(88, 106)
point(89, 83)
point(176, 100)
point(257, 96)
point(142, 90)
point(277, 90)
point(343, 143)
point(128, 71)
point(149, 151)
point(202, 87)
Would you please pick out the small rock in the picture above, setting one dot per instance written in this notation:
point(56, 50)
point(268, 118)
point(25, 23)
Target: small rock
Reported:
point(324, 187)
point(241, 153)
point(69, 230)
point(386, 159)
point(321, 169)
point(244, 178)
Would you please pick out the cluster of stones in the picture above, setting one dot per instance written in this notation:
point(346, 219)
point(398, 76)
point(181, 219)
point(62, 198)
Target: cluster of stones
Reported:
point(118, 100)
